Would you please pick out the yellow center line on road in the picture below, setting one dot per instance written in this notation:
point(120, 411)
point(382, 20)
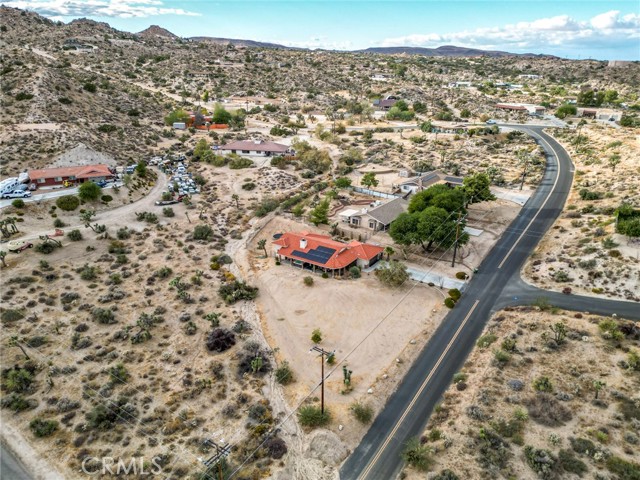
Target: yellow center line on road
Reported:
point(524, 232)
point(373, 461)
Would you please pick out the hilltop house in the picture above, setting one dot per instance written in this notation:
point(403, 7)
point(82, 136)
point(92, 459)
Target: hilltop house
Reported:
point(385, 104)
point(425, 180)
point(377, 218)
point(255, 148)
point(522, 107)
point(321, 253)
point(47, 177)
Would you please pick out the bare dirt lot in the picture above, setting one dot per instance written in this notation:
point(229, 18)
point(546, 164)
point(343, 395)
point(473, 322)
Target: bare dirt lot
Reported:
point(527, 406)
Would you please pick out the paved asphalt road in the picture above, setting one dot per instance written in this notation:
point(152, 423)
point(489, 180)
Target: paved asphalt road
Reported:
point(497, 285)
point(10, 468)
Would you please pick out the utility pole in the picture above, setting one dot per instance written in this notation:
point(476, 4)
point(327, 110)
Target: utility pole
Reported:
point(322, 353)
point(455, 245)
point(222, 452)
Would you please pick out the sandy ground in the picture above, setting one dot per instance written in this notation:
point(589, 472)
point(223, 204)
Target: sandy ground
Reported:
point(572, 368)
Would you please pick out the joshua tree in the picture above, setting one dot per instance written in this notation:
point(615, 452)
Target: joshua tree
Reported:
point(14, 342)
point(560, 332)
point(262, 244)
point(597, 386)
point(2, 255)
point(347, 375)
point(614, 160)
point(236, 199)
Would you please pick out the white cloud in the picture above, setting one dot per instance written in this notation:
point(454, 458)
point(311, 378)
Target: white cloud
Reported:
point(97, 8)
point(314, 43)
point(608, 29)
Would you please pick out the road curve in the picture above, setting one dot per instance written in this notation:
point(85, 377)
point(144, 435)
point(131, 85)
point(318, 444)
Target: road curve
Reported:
point(496, 285)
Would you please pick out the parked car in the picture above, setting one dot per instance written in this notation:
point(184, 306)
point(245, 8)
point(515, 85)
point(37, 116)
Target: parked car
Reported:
point(491, 122)
point(17, 194)
point(101, 183)
point(17, 246)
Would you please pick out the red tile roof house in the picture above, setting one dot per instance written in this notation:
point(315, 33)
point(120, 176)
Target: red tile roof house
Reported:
point(255, 148)
point(320, 252)
point(47, 177)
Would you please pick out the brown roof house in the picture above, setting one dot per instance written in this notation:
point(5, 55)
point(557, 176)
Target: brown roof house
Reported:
point(57, 176)
point(377, 218)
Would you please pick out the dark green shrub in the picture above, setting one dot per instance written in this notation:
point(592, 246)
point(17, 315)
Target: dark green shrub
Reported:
point(355, 272)
point(541, 461)
point(11, 315)
point(18, 203)
point(203, 232)
point(284, 374)
point(235, 291)
point(17, 403)
point(89, 191)
point(168, 212)
point(542, 384)
point(43, 428)
point(75, 235)
point(103, 315)
point(308, 281)
point(583, 446)
point(68, 203)
point(106, 198)
point(461, 275)
point(18, 380)
point(623, 469)
point(449, 302)
point(486, 340)
point(568, 462)
point(312, 416)
point(417, 455)
point(455, 294)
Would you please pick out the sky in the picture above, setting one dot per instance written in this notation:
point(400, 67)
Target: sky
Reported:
point(578, 29)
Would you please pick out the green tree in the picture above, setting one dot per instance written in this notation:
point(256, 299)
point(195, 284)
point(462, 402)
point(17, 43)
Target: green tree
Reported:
point(565, 110)
point(89, 191)
point(369, 180)
point(316, 336)
point(343, 182)
point(178, 116)
point(451, 199)
point(477, 188)
point(320, 214)
point(221, 115)
point(426, 127)
point(431, 225)
point(141, 169)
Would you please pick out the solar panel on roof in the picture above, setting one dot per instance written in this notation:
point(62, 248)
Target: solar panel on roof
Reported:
point(319, 255)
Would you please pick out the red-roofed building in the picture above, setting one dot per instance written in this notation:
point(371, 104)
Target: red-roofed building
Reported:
point(315, 251)
point(57, 176)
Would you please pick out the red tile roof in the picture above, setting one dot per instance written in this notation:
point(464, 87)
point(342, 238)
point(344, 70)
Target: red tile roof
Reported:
point(345, 253)
point(86, 171)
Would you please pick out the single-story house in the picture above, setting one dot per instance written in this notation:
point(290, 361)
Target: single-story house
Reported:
point(522, 107)
point(386, 103)
point(379, 77)
point(378, 217)
point(460, 84)
point(57, 176)
point(600, 113)
point(255, 148)
point(321, 253)
point(425, 180)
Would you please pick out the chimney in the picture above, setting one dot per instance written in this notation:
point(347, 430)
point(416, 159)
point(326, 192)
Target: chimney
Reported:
point(303, 243)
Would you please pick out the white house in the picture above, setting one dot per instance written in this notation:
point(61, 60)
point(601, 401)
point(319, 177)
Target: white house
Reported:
point(522, 107)
point(425, 180)
point(255, 148)
point(377, 218)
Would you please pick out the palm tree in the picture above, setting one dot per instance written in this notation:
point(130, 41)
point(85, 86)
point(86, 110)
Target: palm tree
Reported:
point(262, 244)
point(388, 252)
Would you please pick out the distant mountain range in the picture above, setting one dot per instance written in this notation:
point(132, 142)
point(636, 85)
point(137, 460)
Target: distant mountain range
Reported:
point(443, 51)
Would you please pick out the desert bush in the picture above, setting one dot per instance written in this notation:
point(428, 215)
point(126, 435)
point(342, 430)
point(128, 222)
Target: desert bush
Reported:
point(449, 302)
point(568, 462)
point(461, 275)
point(168, 212)
point(446, 475)
point(392, 274)
point(163, 272)
point(123, 233)
point(43, 428)
point(494, 450)
point(75, 235)
point(11, 315)
point(88, 272)
point(18, 379)
point(561, 276)
point(18, 203)
point(541, 461)
point(284, 374)
point(308, 281)
point(586, 194)
point(583, 446)
point(118, 374)
point(268, 204)
point(220, 339)
point(362, 411)
point(312, 416)
point(46, 247)
point(610, 330)
point(486, 340)
point(248, 186)
point(542, 384)
point(104, 316)
point(148, 217)
point(623, 469)
point(203, 232)
point(106, 415)
point(276, 447)
point(89, 191)
point(252, 359)
point(455, 294)
point(355, 272)
point(545, 409)
point(417, 454)
point(236, 290)
point(17, 403)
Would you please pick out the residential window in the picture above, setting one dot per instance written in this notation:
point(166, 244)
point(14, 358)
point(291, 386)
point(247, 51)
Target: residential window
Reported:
point(72, 177)
point(58, 179)
point(245, 151)
point(233, 151)
point(41, 180)
point(372, 224)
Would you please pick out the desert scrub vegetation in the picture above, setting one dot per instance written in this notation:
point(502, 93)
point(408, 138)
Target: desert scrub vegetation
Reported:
point(312, 416)
point(560, 406)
